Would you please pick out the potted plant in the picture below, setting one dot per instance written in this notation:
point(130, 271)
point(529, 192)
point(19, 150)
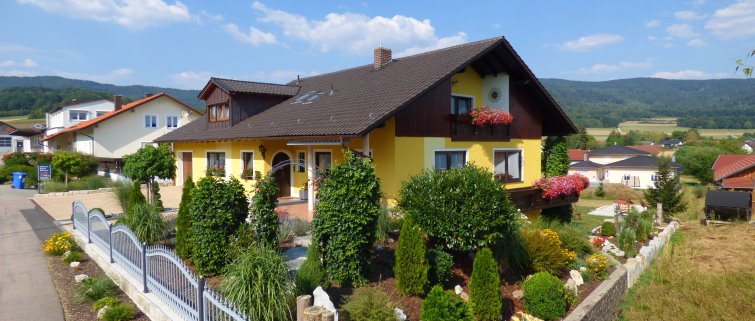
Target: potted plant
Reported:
point(217, 171)
point(247, 174)
point(482, 116)
point(303, 191)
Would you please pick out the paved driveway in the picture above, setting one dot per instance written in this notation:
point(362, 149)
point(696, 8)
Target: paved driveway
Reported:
point(26, 289)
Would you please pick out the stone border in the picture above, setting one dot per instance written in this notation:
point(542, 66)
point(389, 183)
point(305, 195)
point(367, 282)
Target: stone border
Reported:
point(602, 303)
point(79, 192)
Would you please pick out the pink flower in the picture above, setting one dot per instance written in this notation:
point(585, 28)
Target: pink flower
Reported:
point(561, 186)
point(487, 116)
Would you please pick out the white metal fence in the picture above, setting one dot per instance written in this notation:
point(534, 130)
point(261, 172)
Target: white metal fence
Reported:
point(157, 268)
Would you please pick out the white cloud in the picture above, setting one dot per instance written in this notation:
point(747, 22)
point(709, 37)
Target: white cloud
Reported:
point(681, 30)
point(113, 76)
point(358, 33)
point(591, 42)
point(26, 63)
point(192, 79)
point(212, 16)
point(697, 42)
point(734, 21)
point(690, 74)
point(688, 15)
point(620, 66)
point(132, 14)
point(254, 37)
point(7, 47)
point(652, 23)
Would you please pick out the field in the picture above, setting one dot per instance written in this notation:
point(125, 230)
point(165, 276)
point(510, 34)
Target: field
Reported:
point(21, 121)
point(666, 125)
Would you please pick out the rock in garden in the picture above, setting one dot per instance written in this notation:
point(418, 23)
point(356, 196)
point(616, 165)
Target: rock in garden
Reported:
point(101, 312)
point(74, 264)
point(582, 269)
point(323, 300)
point(390, 240)
point(518, 294)
point(595, 231)
point(458, 289)
point(618, 253)
point(464, 296)
point(400, 315)
point(304, 241)
point(577, 277)
point(572, 285)
point(80, 277)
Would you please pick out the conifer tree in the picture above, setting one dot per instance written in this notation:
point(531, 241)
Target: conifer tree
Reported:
point(183, 221)
point(666, 190)
point(411, 260)
point(485, 288)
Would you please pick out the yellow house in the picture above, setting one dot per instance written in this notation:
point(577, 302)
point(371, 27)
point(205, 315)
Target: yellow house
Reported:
point(407, 114)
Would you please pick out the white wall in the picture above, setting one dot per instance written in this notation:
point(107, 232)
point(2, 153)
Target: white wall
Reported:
point(615, 176)
point(124, 133)
point(593, 175)
point(500, 82)
point(61, 119)
point(607, 159)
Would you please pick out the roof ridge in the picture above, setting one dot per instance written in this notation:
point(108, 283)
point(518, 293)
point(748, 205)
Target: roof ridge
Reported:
point(254, 82)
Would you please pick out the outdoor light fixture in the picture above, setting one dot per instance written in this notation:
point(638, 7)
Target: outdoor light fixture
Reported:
point(263, 150)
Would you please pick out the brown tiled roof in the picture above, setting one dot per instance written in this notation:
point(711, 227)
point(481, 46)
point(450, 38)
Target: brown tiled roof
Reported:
point(577, 155)
point(727, 165)
point(618, 150)
point(251, 87)
point(114, 113)
point(356, 100)
point(652, 149)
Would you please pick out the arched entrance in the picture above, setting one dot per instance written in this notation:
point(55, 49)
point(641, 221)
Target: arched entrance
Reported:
point(283, 174)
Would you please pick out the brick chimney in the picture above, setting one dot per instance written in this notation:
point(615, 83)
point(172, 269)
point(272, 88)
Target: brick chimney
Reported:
point(117, 102)
point(382, 57)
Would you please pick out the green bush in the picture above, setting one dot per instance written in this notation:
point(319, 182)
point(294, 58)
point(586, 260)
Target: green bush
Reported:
point(242, 241)
point(257, 283)
point(73, 256)
point(146, 222)
point(608, 229)
point(461, 209)
point(6, 172)
point(511, 251)
point(122, 191)
point(573, 240)
point(264, 217)
point(368, 303)
point(183, 221)
point(561, 214)
point(441, 305)
point(218, 208)
point(441, 264)
point(136, 196)
point(120, 312)
point(411, 261)
point(699, 191)
point(600, 191)
point(95, 288)
point(347, 212)
point(485, 287)
point(626, 241)
point(544, 296)
point(544, 251)
point(91, 182)
point(106, 301)
point(310, 274)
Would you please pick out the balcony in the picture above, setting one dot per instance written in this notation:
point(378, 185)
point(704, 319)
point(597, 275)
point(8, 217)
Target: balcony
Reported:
point(529, 198)
point(463, 130)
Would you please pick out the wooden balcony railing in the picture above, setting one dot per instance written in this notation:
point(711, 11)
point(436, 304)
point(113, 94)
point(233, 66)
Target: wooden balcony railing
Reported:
point(529, 198)
point(463, 130)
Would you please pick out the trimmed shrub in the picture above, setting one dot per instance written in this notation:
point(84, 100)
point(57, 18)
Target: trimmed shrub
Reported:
point(183, 221)
point(573, 240)
point(485, 287)
point(135, 197)
point(257, 283)
point(544, 248)
point(146, 222)
point(59, 243)
point(544, 296)
point(441, 264)
point(608, 229)
point(626, 241)
point(156, 199)
point(461, 209)
point(95, 288)
point(411, 260)
point(600, 191)
point(218, 208)
point(441, 305)
point(368, 303)
point(264, 217)
point(120, 312)
point(106, 301)
point(6, 172)
point(344, 227)
point(310, 274)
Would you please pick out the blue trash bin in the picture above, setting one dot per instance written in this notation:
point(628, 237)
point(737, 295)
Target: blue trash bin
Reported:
point(19, 178)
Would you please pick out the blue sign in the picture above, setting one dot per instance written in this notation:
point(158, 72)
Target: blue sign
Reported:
point(44, 172)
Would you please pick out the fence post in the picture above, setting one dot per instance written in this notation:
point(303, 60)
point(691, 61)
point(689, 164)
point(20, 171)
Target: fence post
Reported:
point(110, 241)
point(73, 211)
point(144, 266)
point(89, 229)
point(200, 298)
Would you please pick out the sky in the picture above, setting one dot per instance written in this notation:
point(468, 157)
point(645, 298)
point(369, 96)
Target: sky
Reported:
point(181, 44)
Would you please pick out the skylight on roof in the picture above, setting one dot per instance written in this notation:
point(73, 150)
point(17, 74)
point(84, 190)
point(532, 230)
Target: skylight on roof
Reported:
point(305, 97)
point(314, 97)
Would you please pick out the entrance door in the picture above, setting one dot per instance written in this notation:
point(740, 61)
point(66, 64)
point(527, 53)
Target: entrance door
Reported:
point(283, 175)
point(187, 168)
point(20, 146)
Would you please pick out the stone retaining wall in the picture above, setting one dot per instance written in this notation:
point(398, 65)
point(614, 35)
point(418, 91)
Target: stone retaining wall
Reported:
point(603, 302)
point(81, 192)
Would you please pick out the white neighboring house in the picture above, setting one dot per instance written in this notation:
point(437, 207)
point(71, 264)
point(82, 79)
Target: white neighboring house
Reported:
point(124, 130)
point(639, 172)
point(615, 153)
point(75, 113)
point(749, 146)
point(14, 139)
point(593, 171)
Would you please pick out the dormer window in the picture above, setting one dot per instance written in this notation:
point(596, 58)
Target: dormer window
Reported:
point(218, 112)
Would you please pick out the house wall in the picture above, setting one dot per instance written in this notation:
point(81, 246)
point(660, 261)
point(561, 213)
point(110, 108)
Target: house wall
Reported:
point(607, 159)
point(615, 176)
point(593, 175)
point(124, 134)
point(61, 119)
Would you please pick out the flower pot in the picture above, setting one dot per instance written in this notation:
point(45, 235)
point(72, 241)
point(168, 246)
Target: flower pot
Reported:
point(303, 194)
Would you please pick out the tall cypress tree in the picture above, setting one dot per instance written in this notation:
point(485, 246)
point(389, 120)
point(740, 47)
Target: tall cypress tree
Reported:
point(183, 221)
point(666, 190)
point(411, 260)
point(485, 287)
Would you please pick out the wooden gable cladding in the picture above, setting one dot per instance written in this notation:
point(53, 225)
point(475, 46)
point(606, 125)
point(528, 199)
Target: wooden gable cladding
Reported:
point(244, 106)
point(528, 118)
point(428, 115)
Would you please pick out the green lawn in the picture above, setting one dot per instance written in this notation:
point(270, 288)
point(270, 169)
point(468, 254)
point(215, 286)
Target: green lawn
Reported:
point(666, 125)
point(21, 121)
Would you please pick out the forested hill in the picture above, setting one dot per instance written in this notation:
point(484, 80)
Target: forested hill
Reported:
point(134, 91)
point(717, 103)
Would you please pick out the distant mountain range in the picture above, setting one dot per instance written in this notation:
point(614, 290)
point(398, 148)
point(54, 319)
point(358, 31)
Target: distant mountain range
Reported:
point(716, 103)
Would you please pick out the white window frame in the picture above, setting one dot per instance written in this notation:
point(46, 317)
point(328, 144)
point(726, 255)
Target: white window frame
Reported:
point(225, 163)
point(157, 121)
point(78, 112)
point(463, 96)
point(9, 139)
point(521, 168)
point(465, 150)
point(167, 122)
point(241, 158)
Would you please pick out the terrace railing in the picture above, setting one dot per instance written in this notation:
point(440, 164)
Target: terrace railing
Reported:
point(156, 268)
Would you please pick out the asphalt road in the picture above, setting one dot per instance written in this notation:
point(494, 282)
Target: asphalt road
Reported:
point(26, 289)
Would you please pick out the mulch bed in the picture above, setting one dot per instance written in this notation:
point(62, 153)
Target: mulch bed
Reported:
point(63, 279)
